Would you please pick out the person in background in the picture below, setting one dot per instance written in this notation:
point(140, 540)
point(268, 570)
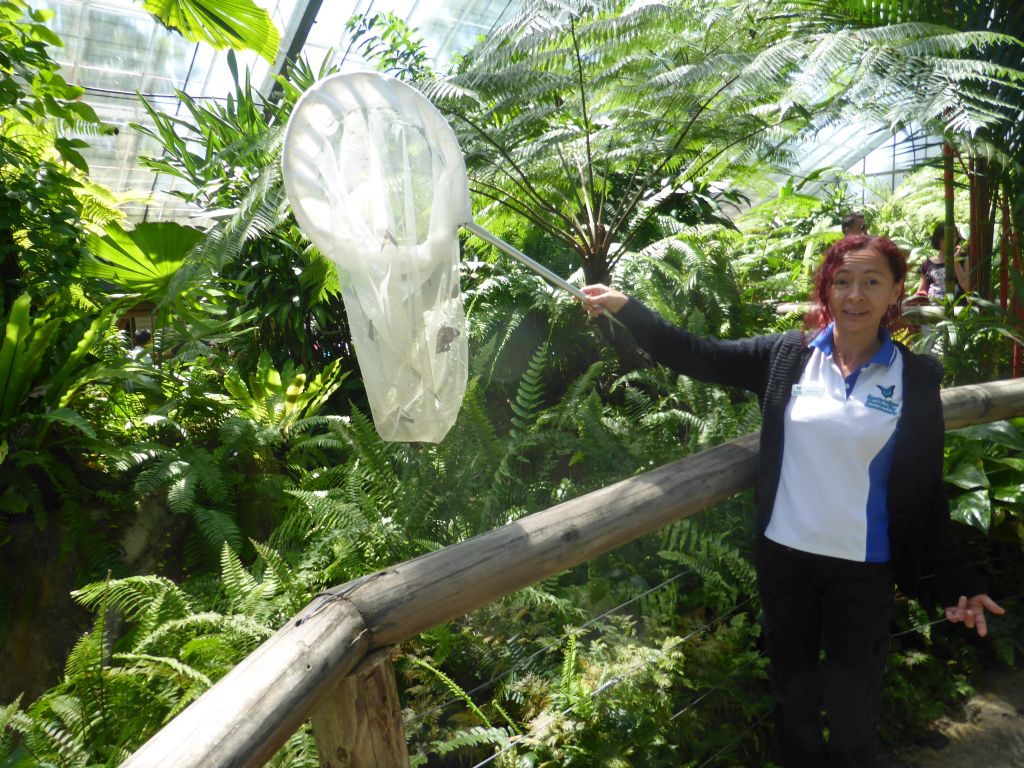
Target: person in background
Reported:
point(849, 492)
point(853, 224)
point(141, 342)
point(933, 269)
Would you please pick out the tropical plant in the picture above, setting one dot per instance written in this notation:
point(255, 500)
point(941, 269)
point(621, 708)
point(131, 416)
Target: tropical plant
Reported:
point(255, 261)
point(40, 166)
point(390, 43)
point(236, 24)
point(49, 367)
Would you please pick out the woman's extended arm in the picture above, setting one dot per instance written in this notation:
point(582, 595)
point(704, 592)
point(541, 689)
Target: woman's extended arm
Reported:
point(943, 555)
point(742, 363)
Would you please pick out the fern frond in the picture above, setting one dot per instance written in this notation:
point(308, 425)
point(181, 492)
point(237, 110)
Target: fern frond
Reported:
point(133, 596)
point(453, 688)
point(476, 736)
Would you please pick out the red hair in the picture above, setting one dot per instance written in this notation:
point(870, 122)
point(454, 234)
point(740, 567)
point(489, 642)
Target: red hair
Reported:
point(820, 315)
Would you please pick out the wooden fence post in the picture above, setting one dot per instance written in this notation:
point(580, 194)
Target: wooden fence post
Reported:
point(359, 723)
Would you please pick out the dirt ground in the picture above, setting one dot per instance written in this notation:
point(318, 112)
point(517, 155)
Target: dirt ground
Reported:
point(988, 734)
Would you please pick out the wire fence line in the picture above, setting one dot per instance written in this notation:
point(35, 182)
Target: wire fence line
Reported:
point(720, 687)
point(625, 675)
point(553, 644)
point(736, 738)
point(577, 629)
point(987, 561)
point(520, 740)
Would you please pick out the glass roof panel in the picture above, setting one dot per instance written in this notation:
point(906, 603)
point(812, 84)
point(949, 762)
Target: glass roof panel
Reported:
point(114, 49)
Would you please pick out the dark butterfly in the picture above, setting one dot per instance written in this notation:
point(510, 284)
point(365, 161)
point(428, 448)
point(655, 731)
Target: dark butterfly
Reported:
point(887, 392)
point(445, 337)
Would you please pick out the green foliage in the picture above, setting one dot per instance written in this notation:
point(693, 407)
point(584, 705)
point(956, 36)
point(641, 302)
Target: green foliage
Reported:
point(142, 261)
point(281, 398)
point(389, 42)
point(585, 121)
point(920, 686)
point(40, 166)
point(254, 268)
point(984, 465)
point(52, 430)
point(623, 703)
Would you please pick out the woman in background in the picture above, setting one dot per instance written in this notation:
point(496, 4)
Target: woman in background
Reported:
point(933, 269)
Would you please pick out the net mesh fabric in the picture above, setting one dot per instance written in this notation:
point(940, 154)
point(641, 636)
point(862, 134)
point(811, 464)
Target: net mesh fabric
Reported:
point(378, 183)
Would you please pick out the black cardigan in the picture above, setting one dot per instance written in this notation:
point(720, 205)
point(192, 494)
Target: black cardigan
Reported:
point(927, 562)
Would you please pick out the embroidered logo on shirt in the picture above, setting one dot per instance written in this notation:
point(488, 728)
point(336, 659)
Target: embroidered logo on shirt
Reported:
point(885, 404)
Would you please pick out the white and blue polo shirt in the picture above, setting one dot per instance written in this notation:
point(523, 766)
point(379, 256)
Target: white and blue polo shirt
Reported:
point(839, 435)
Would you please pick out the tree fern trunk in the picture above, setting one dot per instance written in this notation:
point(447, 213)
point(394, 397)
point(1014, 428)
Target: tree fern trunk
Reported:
point(947, 180)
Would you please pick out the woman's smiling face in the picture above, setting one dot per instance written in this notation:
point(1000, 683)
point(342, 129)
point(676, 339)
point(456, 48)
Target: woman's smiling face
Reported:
point(863, 288)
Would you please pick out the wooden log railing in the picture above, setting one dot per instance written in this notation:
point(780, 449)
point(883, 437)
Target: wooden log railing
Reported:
point(302, 671)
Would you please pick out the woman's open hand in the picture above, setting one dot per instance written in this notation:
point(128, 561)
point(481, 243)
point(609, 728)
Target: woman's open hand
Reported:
point(601, 299)
point(971, 611)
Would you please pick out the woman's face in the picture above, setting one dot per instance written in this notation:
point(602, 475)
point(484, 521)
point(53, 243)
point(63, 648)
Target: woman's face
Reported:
point(863, 288)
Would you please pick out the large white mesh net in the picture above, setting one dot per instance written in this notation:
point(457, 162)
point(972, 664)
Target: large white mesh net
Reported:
point(377, 182)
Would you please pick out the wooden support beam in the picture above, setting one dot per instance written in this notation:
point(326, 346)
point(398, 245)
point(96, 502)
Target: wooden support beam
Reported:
point(982, 403)
point(359, 723)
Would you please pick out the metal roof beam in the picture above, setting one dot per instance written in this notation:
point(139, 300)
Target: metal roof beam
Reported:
point(292, 42)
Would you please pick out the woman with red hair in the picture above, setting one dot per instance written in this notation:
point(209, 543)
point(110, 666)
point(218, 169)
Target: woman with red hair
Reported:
point(849, 491)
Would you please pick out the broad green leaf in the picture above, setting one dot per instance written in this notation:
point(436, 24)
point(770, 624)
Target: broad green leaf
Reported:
point(1013, 493)
point(72, 419)
point(140, 261)
point(91, 338)
point(239, 24)
point(25, 341)
point(968, 473)
point(1009, 461)
point(42, 33)
point(70, 155)
point(998, 432)
point(15, 332)
point(973, 509)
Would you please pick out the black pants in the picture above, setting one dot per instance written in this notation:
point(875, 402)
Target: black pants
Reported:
point(810, 603)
